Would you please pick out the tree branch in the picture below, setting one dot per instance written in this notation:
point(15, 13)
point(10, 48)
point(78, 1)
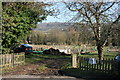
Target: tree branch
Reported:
point(68, 6)
point(117, 20)
point(107, 8)
point(110, 30)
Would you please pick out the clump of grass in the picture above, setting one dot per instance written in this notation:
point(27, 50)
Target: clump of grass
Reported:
point(67, 66)
point(7, 70)
point(43, 67)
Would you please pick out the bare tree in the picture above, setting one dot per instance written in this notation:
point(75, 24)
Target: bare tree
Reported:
point(97, 15)
point(72, 36)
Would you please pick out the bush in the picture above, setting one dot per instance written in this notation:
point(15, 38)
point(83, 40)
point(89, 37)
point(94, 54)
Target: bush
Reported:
point(6, 50)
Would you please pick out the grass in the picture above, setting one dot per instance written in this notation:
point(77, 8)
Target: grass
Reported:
point(31, 59)
point(68, 70)
point(43, 67)
point(106, 54)
point(66, 66)
point(7, 70)
point(38, 57)
point(90, 75)
point(76, 72)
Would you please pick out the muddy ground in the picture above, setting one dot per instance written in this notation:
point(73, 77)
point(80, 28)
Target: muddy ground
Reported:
point(45, 67)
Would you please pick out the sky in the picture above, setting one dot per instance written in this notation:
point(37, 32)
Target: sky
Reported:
point(65, 15)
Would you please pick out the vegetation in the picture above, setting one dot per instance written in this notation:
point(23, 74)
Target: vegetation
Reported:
point(43, 67)
point(92, 75)
point(98, 16)
point(95, 27)
point(107, 54)
point(18, 19)
point(70, 36)
point(38, 57)
point(75, 35)
point(67, 69)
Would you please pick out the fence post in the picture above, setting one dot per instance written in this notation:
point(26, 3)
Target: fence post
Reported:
point(74, 60)
point(12, 59)
point(23, 58)
point(0, 64)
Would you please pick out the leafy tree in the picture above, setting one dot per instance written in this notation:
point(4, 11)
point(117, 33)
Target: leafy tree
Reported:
point(18, 18)
point(98, 16)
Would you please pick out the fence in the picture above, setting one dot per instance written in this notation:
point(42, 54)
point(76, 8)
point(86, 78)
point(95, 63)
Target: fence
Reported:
point(83, 63)
point(106, 65)
point(11, 60)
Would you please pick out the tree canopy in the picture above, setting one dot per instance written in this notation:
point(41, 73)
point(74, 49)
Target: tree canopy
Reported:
point(18, 18)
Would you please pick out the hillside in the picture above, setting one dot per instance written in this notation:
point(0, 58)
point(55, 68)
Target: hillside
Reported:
point(54, 25)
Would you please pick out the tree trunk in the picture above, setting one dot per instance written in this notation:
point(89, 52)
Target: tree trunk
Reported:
point(100, 53)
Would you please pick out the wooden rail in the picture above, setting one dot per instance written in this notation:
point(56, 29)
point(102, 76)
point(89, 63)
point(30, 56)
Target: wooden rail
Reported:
point(11, 60)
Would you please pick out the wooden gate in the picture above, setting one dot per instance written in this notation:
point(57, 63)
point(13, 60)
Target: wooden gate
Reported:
point(11, 60)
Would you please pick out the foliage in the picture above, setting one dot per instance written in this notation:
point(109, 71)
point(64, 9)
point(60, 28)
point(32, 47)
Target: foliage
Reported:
point(18, 18)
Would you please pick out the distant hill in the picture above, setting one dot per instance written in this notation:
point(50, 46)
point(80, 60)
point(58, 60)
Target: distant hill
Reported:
point(54, 25)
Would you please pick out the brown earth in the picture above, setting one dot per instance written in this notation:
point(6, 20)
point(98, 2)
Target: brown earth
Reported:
point(53, 67)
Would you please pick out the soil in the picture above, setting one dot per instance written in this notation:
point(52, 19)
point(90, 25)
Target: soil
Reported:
point(53, 68)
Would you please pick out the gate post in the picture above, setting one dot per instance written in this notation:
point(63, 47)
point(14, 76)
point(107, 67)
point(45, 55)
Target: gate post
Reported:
point(74, 60)
point(12, 59)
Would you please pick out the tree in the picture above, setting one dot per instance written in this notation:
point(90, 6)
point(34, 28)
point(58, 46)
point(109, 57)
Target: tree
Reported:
point(98, 16)
point(72, 36)
point(83, 31)
point(61, 37)
point(115, 36)
point(53, 36)
point(18, 18)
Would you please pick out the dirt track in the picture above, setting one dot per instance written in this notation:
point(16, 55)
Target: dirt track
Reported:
point(53, 67)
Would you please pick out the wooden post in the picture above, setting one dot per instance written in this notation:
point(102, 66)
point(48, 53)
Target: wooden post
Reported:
point(23, 58)
point(12, 59)
point(0, 64)
point(74, 60)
